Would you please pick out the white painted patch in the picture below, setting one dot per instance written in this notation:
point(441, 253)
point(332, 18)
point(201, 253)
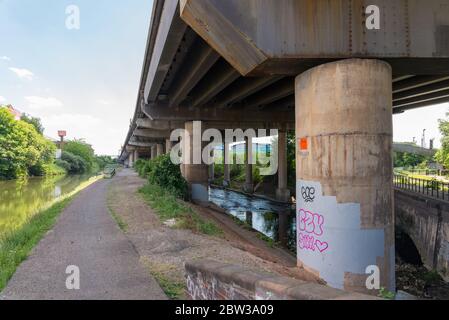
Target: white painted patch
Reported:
point(329, 235)
point(200, 192)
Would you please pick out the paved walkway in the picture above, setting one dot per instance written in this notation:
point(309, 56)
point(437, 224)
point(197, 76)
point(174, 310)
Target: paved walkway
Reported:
point(85, 236)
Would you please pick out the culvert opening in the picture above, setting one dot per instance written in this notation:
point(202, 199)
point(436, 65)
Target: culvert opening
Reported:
point(406, 249)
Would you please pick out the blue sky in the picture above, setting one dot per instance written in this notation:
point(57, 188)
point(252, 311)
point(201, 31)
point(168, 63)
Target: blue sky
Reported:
point(84, 81)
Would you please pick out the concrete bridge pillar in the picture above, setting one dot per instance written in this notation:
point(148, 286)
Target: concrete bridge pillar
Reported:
point(345, 226)
point(282, 192)
point(226, 162)
point(249, 181)
point(136, 155)
point(153, 152)
point(193, 169)
point(131, 159)
point(159, 149)
point(168, 146)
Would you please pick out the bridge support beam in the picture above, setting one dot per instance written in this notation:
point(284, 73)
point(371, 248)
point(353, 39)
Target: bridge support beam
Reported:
point(249, 181)
point(193, 169)
point(344, 174)
point(282, 192)
point(226, 165)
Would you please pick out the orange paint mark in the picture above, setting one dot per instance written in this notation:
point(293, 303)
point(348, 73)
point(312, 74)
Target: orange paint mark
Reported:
point(303, 144)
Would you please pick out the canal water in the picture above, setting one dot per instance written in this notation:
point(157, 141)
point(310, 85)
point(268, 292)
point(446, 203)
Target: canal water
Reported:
point(275, 220)
point(21, 199)
point(278, 222)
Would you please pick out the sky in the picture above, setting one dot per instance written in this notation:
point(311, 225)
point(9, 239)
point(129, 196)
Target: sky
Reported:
point(86, 80)
point(82, 80)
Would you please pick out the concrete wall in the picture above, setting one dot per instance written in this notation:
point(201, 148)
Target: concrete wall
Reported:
point(211, 280)
point(426, 221)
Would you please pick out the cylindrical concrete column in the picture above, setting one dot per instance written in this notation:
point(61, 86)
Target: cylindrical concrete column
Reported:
point(131, 159)
point(168, 146)
point(159, 149)
point(136, 155)
point(282, 192)
point(249, 182)
point(345, 222)
point(226, 164)
point(194, 170)
point(153, 152)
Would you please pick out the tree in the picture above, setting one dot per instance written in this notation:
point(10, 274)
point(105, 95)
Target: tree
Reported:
point(82, 149)
point(36, 122)
point(442, 155)
point(23, 151)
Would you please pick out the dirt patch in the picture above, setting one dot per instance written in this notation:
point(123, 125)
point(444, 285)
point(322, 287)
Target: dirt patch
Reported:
point(165, 250)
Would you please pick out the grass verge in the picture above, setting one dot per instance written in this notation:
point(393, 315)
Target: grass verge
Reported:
point(165, 275)
point(121, 224)
point(15, 248)
point(168, 207)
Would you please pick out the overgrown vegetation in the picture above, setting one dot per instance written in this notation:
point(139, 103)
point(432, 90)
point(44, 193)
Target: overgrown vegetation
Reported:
point(165, 190)
point(409, 160)
point(78, 157)
point(15, 248)
point(162, 172)
point(166, 275)
point(167, 206)
point(23, 150)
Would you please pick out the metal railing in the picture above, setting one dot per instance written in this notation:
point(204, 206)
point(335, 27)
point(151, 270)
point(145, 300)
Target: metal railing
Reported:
point(431, 188)
point(429, 172)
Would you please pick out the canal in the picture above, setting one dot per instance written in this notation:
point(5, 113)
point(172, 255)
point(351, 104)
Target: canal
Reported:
point(275, 220)
point(21, 199)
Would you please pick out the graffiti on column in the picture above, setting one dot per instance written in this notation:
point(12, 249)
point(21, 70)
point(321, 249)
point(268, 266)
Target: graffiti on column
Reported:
point(310, 226)
point(308, 194)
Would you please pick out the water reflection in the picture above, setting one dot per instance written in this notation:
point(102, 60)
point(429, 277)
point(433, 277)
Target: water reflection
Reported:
point(275, 220)
point(21, 199)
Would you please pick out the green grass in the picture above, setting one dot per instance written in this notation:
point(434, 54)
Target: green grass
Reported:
point(15, 248)
point(173, 289)
point(168, 207)
point(121, 224)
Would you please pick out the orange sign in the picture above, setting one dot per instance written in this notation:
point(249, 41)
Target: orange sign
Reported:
point(303, 144)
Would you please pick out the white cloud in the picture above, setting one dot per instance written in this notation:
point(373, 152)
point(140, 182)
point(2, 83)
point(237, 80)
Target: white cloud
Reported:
point(5, 58)
point(2, 99)
point(23, 73)
point(43, 103)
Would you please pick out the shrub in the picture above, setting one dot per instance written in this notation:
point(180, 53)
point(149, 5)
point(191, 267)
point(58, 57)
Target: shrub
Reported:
point(63, 164)
point(77, 164)
point(83, 150)
point(162, 172)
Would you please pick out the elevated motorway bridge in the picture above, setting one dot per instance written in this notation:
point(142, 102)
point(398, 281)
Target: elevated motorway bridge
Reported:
point(333, 71)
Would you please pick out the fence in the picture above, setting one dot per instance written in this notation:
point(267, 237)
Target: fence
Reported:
point(429, 172)
point(432, 188)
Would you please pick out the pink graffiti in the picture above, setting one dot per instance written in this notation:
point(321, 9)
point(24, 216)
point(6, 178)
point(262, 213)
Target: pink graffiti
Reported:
point(306, 242)
point(322, 246)
point(311, 222)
